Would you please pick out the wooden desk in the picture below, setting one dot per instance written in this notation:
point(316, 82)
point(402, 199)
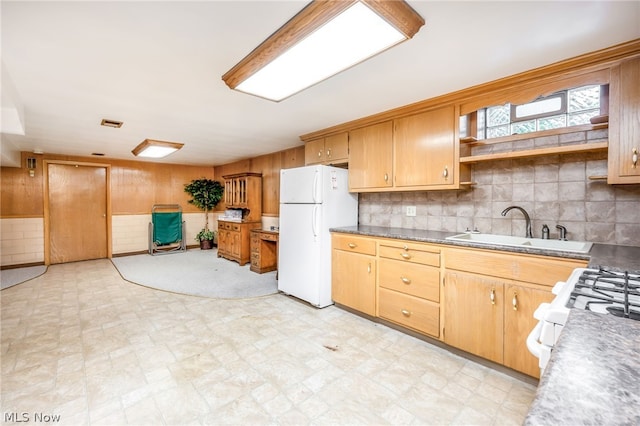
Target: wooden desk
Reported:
point(264, 250)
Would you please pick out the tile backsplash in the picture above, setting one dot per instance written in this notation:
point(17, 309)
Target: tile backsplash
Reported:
point(554, 190)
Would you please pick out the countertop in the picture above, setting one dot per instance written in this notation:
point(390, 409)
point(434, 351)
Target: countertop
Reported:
point(621, 258)
point(593, 376)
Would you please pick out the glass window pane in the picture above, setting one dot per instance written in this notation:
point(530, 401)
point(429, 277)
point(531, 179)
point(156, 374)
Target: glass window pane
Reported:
point(582, 117)
point(498, 115)
point(584, 98)
point(543, 106)
point(554, 122)
point(481, 122)
point(496, 132)
point(463, 126)
point(523, 127)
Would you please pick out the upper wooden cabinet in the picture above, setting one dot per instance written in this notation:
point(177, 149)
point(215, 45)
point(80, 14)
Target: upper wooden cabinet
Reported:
point(371, 157)
point(624, 123)
point(244, 191)
point(425, 149)
point(420, 151)
point(330, 150)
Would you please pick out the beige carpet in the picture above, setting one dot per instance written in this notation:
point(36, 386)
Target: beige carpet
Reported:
point(196, 272)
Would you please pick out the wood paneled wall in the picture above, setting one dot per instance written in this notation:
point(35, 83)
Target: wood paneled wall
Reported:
point(135, 185)
point(269, 165)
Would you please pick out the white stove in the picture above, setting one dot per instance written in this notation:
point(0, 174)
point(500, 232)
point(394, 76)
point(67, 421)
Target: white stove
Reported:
point(597, 290)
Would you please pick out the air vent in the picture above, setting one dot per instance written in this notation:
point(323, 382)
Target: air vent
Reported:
point(111, 123)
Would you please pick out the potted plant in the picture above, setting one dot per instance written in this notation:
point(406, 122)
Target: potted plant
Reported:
point(205, 195)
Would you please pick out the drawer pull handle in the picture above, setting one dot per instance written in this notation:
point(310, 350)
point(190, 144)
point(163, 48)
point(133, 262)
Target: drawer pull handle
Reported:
point(386, 177)
point(492, 296)
point(319, 154)
point(369, 268)
point(634, 158)
point(405, 248)
point(445, 173)
point(406, 313)
point(405, 280)
point(353, 245)
point(514, 301)
point(329, 153)
point(405, 255)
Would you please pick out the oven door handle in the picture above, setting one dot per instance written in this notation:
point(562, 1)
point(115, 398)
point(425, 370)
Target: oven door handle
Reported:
point(533, 340)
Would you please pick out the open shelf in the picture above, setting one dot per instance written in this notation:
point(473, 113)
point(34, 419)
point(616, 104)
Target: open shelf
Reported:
point(537, 152)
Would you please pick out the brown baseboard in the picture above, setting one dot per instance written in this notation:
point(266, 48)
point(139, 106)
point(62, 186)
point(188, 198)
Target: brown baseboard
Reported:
point(21, 265)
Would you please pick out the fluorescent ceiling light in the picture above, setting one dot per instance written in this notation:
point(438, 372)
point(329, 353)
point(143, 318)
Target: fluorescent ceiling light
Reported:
point(150, 148)
point(325, 38)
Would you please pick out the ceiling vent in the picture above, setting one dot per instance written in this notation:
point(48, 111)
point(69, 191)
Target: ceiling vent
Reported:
point(111, 123)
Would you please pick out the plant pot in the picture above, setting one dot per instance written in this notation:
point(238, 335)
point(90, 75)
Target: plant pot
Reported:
point(206, 244)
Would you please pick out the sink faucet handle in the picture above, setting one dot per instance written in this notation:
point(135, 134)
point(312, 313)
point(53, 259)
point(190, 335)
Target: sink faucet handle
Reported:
point(563, 232)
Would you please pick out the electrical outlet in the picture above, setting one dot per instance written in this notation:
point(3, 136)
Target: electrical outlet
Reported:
point(411, 210)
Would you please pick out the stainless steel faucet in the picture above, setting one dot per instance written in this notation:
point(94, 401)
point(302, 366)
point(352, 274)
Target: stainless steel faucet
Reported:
point(563, 232)
point(526, 217)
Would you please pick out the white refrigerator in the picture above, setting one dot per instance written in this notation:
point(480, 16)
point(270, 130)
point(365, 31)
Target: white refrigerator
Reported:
point(312, 200)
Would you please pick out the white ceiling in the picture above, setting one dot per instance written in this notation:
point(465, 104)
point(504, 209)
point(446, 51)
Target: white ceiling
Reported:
point(157, 66)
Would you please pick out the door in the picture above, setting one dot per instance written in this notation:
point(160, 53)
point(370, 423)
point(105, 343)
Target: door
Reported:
point(299, 251)
point(521, 302)
point(473, 318)
point(371, 157)
point(77, 212)
point(301, 185)
point(354, 281)
point(424, 148)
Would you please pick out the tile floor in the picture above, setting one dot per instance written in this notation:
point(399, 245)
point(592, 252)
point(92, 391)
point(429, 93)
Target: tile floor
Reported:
point(82, 343)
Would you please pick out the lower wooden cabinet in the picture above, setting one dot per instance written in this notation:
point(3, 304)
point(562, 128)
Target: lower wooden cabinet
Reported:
point(234, 240)
point(353, 273)
point(483, 306)
point(410, 311)
point(473, 314)
point(487, 312)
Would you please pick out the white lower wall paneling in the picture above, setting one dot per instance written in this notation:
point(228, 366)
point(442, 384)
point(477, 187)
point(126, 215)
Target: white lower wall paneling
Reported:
point(22, 241)
point(130, 232)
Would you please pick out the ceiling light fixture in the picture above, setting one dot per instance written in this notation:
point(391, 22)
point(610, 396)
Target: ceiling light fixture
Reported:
point(323, 39)
point(150, 148)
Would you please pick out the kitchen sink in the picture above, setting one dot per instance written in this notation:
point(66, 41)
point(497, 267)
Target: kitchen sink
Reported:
point(538, 243)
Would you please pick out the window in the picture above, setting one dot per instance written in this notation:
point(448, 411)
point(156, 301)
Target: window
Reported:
point(566, 108)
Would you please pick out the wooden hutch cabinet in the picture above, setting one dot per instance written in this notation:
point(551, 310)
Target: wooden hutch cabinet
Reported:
point(242, 192)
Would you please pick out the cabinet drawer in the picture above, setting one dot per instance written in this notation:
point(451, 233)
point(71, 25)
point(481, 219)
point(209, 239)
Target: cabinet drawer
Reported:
point(224, 225)
point(235, 227)
point(414, 279)
point(410, 252)
point(268, 237)
point(355, 244)
point(528, 268)
point(410, 311)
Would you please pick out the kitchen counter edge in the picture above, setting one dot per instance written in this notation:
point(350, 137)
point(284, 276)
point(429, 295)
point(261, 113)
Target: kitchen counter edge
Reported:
point(607, 256)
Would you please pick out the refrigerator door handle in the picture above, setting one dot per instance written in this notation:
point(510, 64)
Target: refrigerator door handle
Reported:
point(314, 221)
point(316, 187)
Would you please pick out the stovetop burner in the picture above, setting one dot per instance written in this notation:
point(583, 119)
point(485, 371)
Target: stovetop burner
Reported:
point(607, 292)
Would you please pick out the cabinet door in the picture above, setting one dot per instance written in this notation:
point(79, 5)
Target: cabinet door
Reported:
point(520, 303)
point(473, 317)
point(314, 151)
point(624, 123)
point(370, 157)
point(425, 148)
point(223, 242)
point(228, 192)
point(353, 281)
point(235, 243)
point(336, 148)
